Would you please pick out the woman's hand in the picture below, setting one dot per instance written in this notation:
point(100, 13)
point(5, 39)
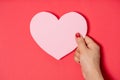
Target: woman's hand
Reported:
point(88, 55)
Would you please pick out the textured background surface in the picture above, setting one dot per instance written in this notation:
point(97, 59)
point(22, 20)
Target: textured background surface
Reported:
point(22, 59)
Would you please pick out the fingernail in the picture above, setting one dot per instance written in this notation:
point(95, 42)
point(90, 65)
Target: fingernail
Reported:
point(77, 35)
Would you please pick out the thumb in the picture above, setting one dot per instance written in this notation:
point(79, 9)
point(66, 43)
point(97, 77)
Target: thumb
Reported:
point(80, 42)
point(91, 44)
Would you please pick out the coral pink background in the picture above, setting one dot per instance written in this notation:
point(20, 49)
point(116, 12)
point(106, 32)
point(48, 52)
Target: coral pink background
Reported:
point(22, 59)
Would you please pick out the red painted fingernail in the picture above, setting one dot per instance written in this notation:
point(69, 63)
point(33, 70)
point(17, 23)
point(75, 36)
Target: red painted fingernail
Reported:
point(77, 35)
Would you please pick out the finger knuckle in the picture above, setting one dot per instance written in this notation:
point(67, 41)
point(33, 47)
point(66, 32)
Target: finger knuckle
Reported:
point(75, 58)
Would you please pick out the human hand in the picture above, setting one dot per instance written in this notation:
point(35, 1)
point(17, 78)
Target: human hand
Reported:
point(88, 55)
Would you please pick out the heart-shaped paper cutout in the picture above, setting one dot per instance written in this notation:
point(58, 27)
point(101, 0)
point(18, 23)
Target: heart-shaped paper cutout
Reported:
point(57, 37)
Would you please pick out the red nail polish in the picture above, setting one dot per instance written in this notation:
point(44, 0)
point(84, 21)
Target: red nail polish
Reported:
point(77, 35)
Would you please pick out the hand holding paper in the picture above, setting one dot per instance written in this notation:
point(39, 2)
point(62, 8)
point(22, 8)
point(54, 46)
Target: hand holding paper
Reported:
point(88, 55)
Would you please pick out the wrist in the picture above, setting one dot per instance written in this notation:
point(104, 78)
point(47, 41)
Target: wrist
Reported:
point(94, 74)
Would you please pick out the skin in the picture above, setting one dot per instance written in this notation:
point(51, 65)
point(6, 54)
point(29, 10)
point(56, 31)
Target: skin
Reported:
point(88, 56)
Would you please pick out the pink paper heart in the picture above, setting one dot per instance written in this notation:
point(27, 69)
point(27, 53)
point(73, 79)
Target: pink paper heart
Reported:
point(57, 37)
